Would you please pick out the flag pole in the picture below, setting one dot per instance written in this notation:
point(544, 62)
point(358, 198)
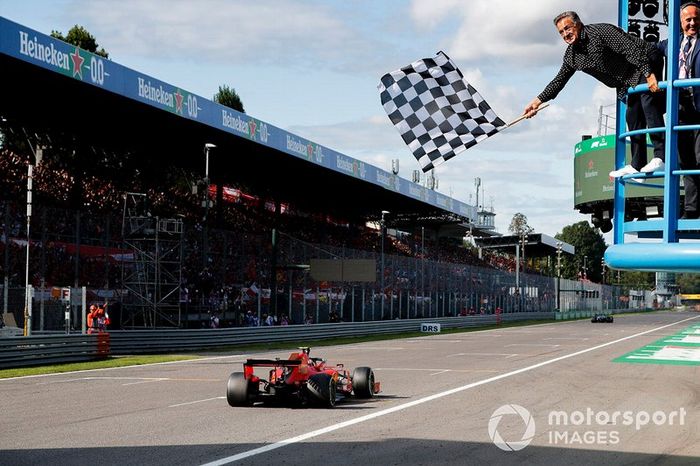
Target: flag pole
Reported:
point(522, 117)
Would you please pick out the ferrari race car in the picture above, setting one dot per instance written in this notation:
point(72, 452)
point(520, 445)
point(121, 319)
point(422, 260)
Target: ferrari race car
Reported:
point(608, 318)
point(302, 379)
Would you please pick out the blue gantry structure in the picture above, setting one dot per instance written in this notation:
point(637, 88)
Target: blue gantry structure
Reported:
point(668, 244)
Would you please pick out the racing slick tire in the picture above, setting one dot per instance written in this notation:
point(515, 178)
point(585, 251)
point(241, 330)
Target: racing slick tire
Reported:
point(239, 391)
point(363, 382)
point(322, 388)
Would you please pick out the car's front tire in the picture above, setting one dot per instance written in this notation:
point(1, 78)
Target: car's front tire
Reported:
point(363, 382)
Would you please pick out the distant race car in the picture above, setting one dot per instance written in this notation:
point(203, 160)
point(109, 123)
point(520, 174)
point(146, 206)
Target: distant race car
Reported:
point(301, 379)
point(607, 318)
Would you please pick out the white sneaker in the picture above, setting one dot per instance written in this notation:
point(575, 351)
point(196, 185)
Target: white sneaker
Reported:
point(626, 170)
point(655, 165)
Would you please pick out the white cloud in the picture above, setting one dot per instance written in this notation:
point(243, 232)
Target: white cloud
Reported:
point(312, 67)
point(506, 32)
point(271, 32)
point(530, 171)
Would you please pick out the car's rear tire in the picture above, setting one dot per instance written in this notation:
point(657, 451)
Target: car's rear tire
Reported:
point(363, 382)
point(239, 390)
point(322, 388)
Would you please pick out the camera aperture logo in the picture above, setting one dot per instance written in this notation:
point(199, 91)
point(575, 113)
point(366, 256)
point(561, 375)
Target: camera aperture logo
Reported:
point(527, 419)
point(580, 427)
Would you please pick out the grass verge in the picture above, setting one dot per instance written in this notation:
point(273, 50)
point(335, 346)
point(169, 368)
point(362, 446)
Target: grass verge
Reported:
point(114, 361)
point(121, 361)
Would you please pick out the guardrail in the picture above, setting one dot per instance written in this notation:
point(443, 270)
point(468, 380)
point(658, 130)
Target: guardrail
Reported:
point(573, 315)
point(34, 350)
point(52, 349)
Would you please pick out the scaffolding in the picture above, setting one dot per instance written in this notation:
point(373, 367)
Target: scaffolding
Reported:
point(152, 270)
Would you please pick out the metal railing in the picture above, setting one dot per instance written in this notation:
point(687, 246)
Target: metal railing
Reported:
point(52, 349)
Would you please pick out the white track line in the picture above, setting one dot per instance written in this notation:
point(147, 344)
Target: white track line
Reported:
point(166, 363)
point(198, 401)
point(410, 404)
point(481, 354)
point(531, 344)
point(566, 338)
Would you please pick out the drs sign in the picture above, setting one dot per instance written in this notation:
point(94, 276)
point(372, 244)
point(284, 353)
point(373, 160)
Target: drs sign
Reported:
point(430, 328)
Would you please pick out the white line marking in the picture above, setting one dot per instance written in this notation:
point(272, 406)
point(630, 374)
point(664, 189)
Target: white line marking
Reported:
point(185, 361)
point(441, 372)
point(566, 338)
point(410, 404)
point(481, 354)
point(380, 348)
point(145, 381)
point(433, 369)
point(198, 401)
point(530, 344)
point(82, 379)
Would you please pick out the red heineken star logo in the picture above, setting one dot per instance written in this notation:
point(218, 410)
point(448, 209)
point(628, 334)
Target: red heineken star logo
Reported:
point(310, 150)
point(77, 63)
point(590, 164)
point(252, 126)
point(178, 101)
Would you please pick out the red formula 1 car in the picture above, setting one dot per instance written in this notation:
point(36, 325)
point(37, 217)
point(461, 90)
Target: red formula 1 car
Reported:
point(301, 379)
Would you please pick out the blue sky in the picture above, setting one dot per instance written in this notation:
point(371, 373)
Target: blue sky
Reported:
point(312, 67)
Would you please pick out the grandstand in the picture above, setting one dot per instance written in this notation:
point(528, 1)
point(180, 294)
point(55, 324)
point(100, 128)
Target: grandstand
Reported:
point(175, 208)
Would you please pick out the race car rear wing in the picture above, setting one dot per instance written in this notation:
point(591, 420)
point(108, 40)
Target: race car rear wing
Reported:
point(273, 362)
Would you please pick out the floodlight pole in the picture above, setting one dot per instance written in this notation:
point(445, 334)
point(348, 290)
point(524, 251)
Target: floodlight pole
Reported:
point(208, 146)
point(383, 227)
point(422, 271)
point(38, 153)
point(559, 247)
point(27, 294)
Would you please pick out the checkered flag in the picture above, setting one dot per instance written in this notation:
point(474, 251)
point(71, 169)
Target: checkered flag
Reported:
point(438, 113)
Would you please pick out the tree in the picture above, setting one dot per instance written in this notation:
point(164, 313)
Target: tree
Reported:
point(590, 247)
point(227, 96)
point(78, 35)
point(638, 280)
point(689, 283)
point(518, 225)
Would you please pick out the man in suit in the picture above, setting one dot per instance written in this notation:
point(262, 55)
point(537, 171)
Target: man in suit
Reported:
point(619, 60)
point(689, 105)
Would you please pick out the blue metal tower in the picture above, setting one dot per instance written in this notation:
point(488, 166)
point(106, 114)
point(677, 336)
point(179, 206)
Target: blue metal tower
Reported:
point(673, 248)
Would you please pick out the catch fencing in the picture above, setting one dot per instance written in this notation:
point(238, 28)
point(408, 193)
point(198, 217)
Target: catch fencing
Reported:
point(51, 349)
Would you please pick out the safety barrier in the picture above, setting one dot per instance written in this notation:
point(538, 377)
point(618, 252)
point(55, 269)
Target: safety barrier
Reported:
point(51, 349)
point(573, 315)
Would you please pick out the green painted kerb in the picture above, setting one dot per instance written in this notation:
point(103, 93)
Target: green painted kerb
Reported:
point(681, 349)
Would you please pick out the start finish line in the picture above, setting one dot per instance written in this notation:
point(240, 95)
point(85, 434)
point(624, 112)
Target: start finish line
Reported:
point(683, 349)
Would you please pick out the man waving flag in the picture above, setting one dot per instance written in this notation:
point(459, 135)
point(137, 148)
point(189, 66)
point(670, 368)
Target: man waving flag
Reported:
point(437, 112)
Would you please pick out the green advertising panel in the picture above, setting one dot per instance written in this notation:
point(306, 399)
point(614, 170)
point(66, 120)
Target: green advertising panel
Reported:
point(594, 159)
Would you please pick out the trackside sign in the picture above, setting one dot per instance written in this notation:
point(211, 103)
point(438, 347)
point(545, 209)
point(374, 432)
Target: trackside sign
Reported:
point(430, 328)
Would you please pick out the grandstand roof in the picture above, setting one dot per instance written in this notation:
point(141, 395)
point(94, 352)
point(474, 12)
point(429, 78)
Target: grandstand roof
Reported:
point(536, 245)
point(51, 84)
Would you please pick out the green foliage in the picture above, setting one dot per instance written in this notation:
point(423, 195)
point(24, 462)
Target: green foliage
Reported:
point(518, 225)
point(590, 247)
point(227, 96)
point(78, 35)
point(118, 361)
point(689, 283)
point(637, 280)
